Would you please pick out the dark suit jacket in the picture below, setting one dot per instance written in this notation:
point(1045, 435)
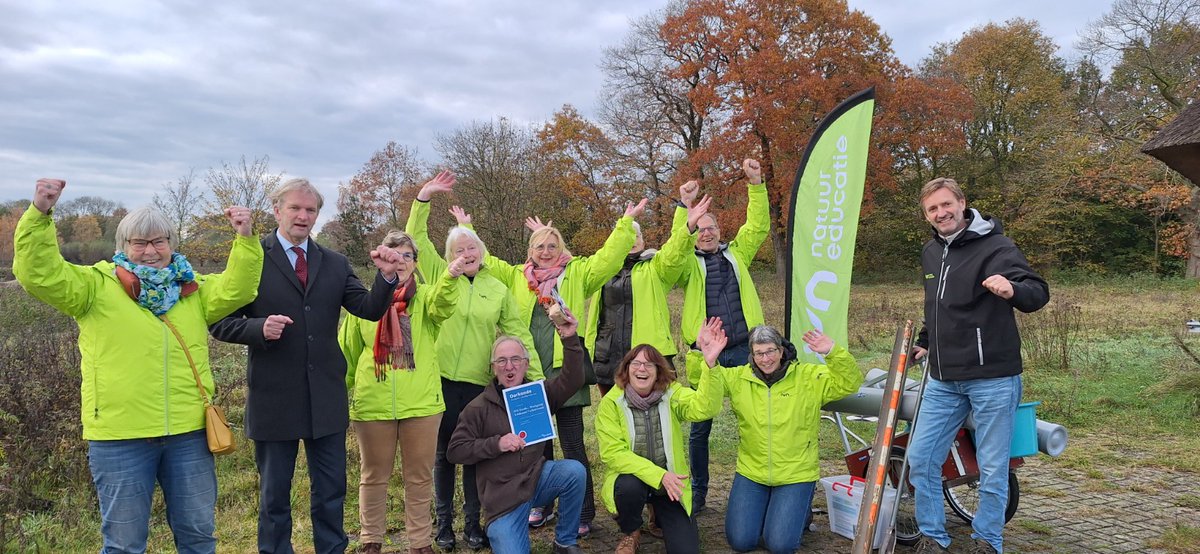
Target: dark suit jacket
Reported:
point(297, 384)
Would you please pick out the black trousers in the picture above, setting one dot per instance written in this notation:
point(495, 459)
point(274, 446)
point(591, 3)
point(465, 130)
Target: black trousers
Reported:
point(679, 531)
point(570, 435)
point(457, 395)
point(276, 461)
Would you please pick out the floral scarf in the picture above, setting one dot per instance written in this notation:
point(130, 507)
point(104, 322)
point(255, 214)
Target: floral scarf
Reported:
point(543, 280)
point(160, 288)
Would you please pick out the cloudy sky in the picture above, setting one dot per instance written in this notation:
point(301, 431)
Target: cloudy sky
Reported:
point(121, 96)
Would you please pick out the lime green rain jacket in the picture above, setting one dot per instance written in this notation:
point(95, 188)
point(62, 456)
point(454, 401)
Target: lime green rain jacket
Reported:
point(777, 425)
point(463, 347)
point(615, 431)
point(583, 276)
point(740, 253)
point(651, 280)
point(405, 392)
point(137, 382)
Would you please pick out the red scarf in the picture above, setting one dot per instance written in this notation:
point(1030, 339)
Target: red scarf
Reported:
point(542, 280)
point(393, 336)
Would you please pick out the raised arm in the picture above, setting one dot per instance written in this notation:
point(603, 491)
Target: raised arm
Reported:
point(671, 261)
point(758, 217)
point(37, 261)
point(225, 292)
point(607, 261)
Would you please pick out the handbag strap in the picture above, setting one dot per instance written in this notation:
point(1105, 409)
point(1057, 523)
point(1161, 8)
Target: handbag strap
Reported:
point(188, 353)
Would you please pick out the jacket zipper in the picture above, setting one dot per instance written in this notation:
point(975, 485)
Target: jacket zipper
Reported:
point(166, 383)
point(393, 380)
point(937, 307)
point(649, 436)
point(770, 448)
point(979, 343)
point(463, 342)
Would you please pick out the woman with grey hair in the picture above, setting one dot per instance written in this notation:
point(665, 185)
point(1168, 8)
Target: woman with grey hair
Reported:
point(777, 400)
point(143, 334)
point(463, 349)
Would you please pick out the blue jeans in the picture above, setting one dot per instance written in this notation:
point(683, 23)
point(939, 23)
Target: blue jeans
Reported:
point(759, 512)
point(698, 435)
point(124, 473)
point(562, 479)
point(944, 408)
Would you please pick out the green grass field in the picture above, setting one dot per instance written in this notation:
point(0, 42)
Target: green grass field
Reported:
point(1109, 359)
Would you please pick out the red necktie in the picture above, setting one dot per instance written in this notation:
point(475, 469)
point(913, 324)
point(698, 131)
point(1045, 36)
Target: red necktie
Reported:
point(301, 266)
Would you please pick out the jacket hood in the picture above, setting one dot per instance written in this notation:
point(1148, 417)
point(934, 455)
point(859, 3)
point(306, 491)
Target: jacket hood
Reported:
point(977, 226)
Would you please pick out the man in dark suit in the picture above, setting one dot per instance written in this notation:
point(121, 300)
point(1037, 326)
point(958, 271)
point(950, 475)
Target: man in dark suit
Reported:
point(297, 374)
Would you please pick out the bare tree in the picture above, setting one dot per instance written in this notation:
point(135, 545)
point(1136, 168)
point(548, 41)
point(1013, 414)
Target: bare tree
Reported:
point(178, 201)
point(248, 184)
point(382, 182)
point(500, 180)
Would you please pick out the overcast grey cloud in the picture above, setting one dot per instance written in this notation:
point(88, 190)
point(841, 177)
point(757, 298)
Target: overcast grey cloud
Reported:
point(119, 97)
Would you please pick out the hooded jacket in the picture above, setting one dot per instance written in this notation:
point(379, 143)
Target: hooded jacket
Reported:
point(405, 392)
point(582, 277)
point(778, 425)
point(464, 344)
point(137, 382)
point(651, 280)
point(615, 429)
point(971, 333)
point(740, 253)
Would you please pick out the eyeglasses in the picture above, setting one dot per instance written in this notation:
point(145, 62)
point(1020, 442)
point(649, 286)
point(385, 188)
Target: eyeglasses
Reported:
point(407, 256)
point(140, 245)
point(546, 247)
point(638, 364)
point(711, 229)
point(513, 361)
point(766, 353)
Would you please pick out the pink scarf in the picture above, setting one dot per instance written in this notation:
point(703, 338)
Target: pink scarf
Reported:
point(543, 280)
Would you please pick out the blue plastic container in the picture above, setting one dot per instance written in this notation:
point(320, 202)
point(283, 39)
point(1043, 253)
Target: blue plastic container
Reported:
point(1024, 437)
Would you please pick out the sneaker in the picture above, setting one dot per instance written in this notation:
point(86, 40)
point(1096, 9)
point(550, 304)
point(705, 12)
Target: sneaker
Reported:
point(929, 546)
point(629, 543)
point(538, 517)
point(980, 546)
point(585, 529)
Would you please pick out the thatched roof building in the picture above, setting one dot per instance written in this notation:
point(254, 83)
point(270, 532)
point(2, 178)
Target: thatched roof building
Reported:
point(1178, 143)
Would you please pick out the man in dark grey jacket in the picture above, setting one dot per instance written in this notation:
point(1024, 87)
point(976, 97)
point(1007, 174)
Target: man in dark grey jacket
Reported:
point(297, 373)
point(974, 278)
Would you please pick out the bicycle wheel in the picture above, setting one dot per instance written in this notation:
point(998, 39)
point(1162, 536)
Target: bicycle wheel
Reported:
point(907, 532)
point(964, 498)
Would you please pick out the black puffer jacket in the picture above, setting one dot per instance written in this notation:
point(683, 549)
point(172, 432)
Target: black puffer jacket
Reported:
point(971, 333)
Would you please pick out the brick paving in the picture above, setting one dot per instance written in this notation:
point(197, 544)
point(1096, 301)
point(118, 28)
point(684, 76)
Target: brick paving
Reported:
point(1061, 510)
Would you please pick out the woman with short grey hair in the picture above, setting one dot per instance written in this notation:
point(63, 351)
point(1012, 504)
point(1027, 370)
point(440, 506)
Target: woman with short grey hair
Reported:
point(143, 328)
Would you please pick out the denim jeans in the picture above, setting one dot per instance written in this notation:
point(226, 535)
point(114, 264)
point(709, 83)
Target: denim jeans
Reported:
point(124, 473)
point(944, 408)
point(562, 479)
point(759, 512)
point(700, 430)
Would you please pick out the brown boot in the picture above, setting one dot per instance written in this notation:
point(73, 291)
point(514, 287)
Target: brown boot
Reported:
point(372, 548)
point(629, 543)
point(422, 550)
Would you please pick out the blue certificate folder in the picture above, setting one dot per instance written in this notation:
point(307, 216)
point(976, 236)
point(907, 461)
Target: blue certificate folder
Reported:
point(529, 412)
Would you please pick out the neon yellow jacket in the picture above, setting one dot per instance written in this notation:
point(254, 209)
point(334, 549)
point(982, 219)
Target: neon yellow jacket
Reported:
point(740, 253)
point(406, 392)
point(777, 425)
point(137, 382)
point(583, 276)
point(614, 428)
point(651, 280)
point(464, 344)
